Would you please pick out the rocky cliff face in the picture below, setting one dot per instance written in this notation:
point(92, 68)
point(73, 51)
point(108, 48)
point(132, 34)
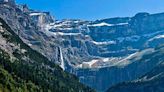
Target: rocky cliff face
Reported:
point(151, 81)
point(110, 46)
point(41, 18)
point(24, 69)
point(25, 26)
point(140, 32)
point(96, 51)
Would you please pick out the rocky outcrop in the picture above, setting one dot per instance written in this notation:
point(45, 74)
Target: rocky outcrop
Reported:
point(11, 2)
point(41, 18)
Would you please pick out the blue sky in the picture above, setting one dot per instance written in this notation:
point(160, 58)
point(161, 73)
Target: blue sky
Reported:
point(94, 9)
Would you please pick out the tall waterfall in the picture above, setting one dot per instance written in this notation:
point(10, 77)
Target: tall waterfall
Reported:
point(62, 65)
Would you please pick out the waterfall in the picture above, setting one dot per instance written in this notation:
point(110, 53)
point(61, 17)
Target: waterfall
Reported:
point(61, 59)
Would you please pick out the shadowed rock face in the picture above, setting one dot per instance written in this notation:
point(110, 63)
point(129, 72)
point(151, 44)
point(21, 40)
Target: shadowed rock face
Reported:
point(150, 82)
point(107, 41)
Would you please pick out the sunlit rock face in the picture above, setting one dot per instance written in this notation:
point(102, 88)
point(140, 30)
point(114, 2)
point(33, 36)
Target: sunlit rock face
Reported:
point(41, 18)
point(12, 2)
point(101, 53)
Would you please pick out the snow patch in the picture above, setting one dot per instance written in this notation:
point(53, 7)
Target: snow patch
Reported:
point(104, 43)
point(36, 14)
point(106, 24)
point(88, 64)
point(156, 37)
point(65, 34)
point(101, 24)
